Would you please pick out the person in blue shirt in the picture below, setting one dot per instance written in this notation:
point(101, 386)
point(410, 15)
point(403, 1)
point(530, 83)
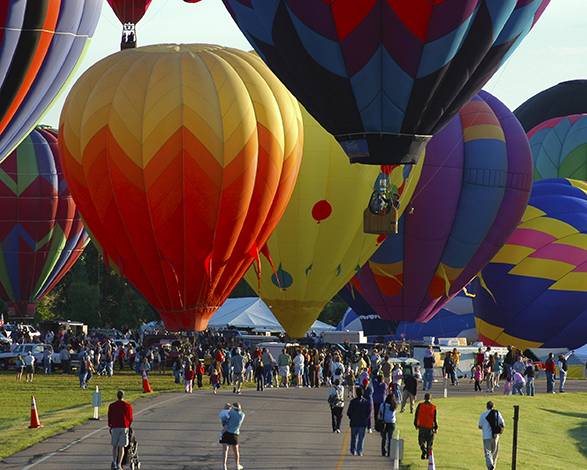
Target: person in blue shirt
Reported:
point(232, 425)
point(359, 413)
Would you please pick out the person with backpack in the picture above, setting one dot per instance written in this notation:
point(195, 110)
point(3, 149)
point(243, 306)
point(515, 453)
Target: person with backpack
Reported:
point(336, 402)
point(492, 424)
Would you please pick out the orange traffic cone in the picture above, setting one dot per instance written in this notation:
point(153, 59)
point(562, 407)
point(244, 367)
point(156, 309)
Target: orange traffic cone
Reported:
point(431, 464)
point(146, 385)
point(35, 421)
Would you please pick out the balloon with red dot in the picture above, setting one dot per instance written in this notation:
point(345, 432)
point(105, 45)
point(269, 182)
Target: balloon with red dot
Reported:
point(321, 210)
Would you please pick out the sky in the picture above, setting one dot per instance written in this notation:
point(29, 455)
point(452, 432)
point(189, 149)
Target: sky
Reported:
point(554, 51)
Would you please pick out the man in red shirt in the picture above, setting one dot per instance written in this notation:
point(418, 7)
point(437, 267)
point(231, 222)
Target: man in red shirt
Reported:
point(119, 422)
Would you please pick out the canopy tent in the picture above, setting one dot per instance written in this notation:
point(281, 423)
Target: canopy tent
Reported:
point(252, 313)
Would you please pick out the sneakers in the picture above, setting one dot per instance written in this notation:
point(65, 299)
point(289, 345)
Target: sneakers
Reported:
point(337, 431)
point(239, 467)
point(423, 456)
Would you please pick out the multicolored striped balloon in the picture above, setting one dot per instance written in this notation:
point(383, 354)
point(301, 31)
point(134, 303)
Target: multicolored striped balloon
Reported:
point(471, 195)
point(182, 159)
point(382, 76)
point(559, 148)
point(534, 291)
point(41, 42)
point(41, 231)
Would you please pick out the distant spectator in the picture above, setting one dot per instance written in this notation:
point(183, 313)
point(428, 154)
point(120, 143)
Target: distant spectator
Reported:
point(563, 370)
point(29, 362)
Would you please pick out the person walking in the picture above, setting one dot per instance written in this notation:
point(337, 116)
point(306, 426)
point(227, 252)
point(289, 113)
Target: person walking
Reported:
point(358, 412)
point(230, 436)
point(388, 418)
point(336, 402)
point(237, 363)
point(283, 365)
point(259, 373)
point(379, 394)
point(29, 364)
point(409, 392)
point(530, 373)
point(550, 369)
point(428, 369)
point(491, 422)
point(563, 369)
point(120, 419)
point(425, 421)
point(478, 376)
point(268, 361)
point(188, 379)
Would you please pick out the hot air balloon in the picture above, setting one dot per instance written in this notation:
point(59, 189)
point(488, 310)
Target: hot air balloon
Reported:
point(41, 232)
point(41, 42)
point(319, 243)
point(181, 158)
point(559, 148)
point(472, 193)
point(564, 99)
point(129, 12)
point(384, 75)
point(534, 292)
point(455, 320)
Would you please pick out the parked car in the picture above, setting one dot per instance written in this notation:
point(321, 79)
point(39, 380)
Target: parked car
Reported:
point(8, 359)
point(30, 329)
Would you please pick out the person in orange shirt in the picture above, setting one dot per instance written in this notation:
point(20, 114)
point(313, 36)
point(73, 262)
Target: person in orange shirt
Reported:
point(426, 424)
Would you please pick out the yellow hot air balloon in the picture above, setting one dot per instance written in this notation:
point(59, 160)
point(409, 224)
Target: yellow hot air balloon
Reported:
point(319, 243)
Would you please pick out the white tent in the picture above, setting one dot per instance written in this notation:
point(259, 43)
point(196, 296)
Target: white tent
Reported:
point(253, 313)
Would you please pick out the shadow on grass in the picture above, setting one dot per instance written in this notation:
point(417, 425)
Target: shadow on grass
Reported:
point(578, 433)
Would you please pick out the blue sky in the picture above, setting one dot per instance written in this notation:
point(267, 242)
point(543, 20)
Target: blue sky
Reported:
point(555, 51)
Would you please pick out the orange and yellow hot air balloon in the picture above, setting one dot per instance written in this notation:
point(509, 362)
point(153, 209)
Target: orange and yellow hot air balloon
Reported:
point(182, 159)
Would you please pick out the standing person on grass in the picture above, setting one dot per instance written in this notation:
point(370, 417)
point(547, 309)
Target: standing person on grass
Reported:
point(426, 424)
point(230, 436)
point(119, 421)
point(388, 418)
point(491, 422)
point(563, 369)
point(336, 402)
point(29, 363)
point(550, 369)
point(358, 412)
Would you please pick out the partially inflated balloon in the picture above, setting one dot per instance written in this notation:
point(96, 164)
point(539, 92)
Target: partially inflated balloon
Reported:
point(383, 75)
point(471, 195)
point(534, 292)
point(559, 148)
point(182, 159)
point(41, 42)
point(319, 243)
point(41, 232)
point(130, 11)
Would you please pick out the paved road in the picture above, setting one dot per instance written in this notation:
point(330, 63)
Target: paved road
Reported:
point(283, 430)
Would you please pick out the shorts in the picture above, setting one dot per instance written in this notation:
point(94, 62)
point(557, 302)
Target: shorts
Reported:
point(30, 369)
point(229, 438)
point(298, 370)
point(120, 437)
point(283, 370)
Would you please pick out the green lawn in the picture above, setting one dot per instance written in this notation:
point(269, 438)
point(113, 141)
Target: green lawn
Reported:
point(552, 433)
point(61, 403)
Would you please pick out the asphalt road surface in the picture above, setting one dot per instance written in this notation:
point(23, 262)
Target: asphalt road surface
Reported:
point(283, 430)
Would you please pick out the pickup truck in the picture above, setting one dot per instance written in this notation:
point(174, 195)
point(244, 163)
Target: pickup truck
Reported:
point(8, 359)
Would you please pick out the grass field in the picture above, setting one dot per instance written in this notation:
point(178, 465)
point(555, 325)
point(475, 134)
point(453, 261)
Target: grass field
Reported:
point(552, 433)
point(61, 403)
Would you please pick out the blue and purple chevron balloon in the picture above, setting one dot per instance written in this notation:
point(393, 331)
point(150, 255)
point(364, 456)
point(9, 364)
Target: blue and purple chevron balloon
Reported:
point(382, 76)
point(534, 291)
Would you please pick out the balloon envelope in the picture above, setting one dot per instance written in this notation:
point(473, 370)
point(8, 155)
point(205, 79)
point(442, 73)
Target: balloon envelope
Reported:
point(130, 11)
point(559, 148)
point(384, 75)
point(471, 195)
point(182, 159)
point(41, 42)
point(534, 292)
point(319, 243)
point(41, 232)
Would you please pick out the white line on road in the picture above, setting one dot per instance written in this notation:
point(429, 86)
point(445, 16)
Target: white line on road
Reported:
point(96, 431)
